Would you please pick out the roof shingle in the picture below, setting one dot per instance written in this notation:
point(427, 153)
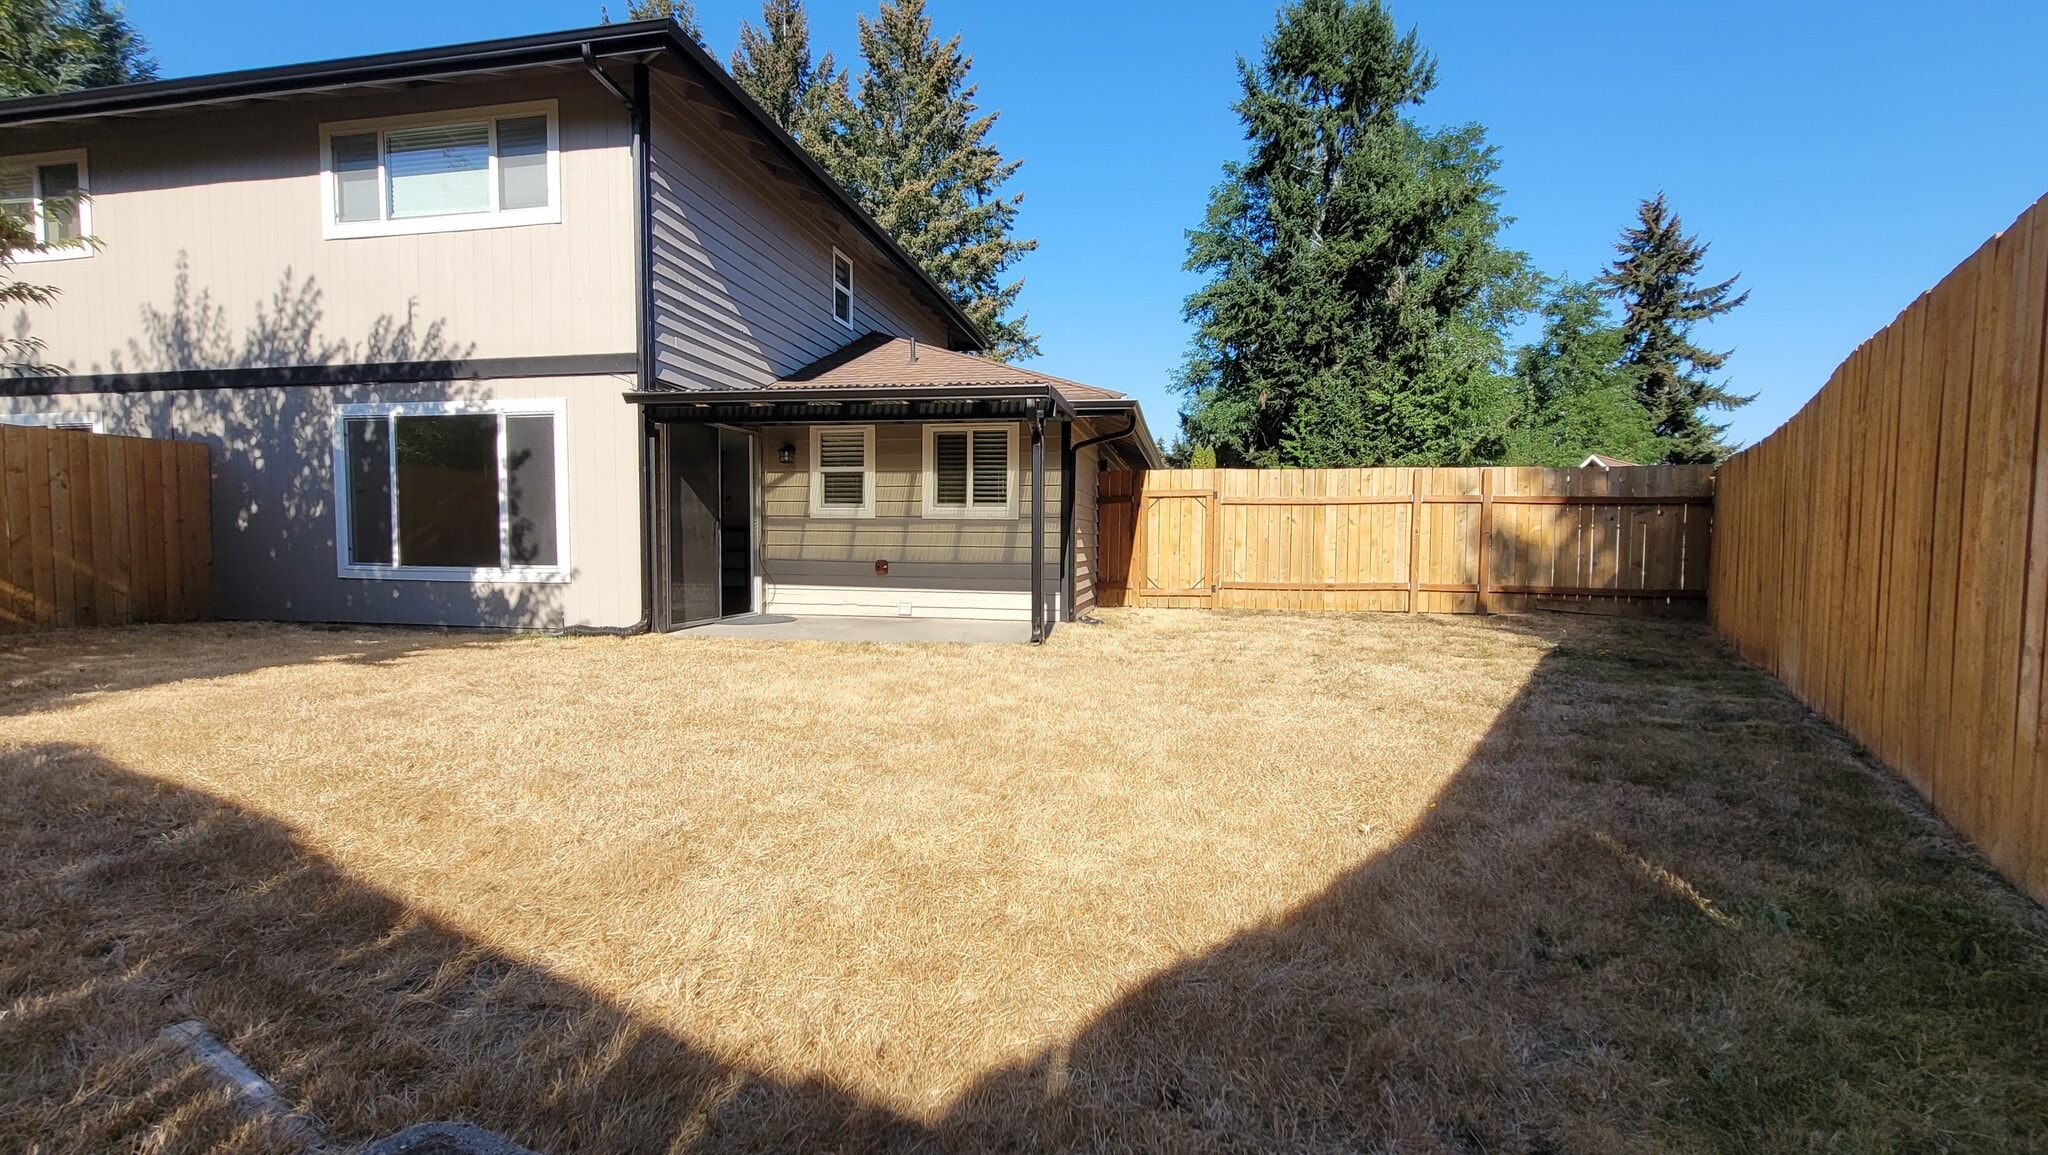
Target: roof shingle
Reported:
point(881, 360)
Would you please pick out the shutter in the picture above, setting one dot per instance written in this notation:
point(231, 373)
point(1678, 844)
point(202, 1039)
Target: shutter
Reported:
point(439, 170)
point(991, 467)
point(949, 469)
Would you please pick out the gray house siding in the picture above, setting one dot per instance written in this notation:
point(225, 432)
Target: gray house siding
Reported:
point(230, 200)
point(742, 258)
point(275, 531)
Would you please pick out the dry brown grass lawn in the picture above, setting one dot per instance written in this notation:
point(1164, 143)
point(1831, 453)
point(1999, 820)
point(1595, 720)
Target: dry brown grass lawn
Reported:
point(1180, 882)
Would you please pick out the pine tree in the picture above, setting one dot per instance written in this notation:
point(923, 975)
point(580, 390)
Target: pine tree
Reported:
point(1357, 290)
point(914, 150)
point(1573, 397)
point(60, 45)
point(773, 63)
point(682, 12)
point(1655, 277)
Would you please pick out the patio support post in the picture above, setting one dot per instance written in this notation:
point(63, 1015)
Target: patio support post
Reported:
point(1037, 567)
point(1069, 459)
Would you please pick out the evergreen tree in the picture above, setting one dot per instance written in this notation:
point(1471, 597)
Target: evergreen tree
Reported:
point(773, 63)
point(1573, 396)
point(1357, 288)
point(60, 45)
point(914, 150)
point(682, 12)
point(1656, 279)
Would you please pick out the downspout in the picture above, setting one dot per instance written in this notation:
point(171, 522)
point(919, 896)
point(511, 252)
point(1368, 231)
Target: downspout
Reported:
point(1037, 567)
point(643, 311)
point(1071, 463)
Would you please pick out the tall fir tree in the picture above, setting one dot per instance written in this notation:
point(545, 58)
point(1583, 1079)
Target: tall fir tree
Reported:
point(1358, 290)
point(682, 12)
point(1655, 276)
point(1572, 396)
point(809, 99)
point(914, 149)
point(59, 45)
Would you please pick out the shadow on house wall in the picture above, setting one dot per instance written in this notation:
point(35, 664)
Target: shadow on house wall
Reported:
point(275, 531)
point(1603, 936)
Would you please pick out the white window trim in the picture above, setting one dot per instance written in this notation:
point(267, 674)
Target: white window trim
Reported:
point(528, 574)
point(1006, 511)
point(59, 419)
point(832, 289)
point(494, 218)
point(867, 457)
point(77, 249)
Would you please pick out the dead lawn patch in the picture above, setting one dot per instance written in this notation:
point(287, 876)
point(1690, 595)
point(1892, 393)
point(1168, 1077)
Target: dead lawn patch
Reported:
point(1181, 882)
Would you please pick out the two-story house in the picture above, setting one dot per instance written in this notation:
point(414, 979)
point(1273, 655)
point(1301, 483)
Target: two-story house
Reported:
point(560, 331)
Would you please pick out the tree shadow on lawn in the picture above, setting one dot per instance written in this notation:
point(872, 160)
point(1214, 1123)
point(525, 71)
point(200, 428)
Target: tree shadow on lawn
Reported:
point(1660, 907)
point(41, 670)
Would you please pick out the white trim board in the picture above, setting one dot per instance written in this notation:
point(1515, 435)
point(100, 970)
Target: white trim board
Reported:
point(853, 601)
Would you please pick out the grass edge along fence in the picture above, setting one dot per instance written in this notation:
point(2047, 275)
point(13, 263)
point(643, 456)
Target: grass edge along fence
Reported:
point(103, 530)
point(1885, 552)
point(1478, 540)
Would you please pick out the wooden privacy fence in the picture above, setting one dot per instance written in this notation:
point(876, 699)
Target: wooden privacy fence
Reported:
point(1885, 552)
point(1417, 540)
point(103, 530)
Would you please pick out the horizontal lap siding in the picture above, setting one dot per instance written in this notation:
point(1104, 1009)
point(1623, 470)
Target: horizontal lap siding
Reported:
point(743, 259)
point(233, 195)
point(942, 566)
point(273, 532)
point(1085, 527)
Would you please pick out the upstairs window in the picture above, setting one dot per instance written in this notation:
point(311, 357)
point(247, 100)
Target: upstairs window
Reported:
point(47, 195)
point(842, 288)
point(842, 471)
point(484, 168)
point(452, 492)
point(969, 471)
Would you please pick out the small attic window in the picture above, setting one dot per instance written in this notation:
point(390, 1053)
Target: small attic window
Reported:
point(842, 288)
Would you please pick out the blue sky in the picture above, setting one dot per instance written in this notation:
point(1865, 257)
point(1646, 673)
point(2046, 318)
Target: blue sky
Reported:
point(1841, 156)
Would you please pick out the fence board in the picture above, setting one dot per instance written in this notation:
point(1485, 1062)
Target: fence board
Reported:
point(1419, 540)
point(101, 530)
point(1885, 553)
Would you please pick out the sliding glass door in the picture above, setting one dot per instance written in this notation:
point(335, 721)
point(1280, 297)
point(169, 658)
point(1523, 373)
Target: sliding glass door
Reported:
point(707, 475)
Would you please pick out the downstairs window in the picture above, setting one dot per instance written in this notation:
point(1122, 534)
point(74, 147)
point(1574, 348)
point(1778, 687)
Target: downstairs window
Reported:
point(452, 491)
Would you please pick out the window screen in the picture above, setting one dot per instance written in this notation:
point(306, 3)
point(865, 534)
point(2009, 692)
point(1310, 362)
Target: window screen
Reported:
point(842, 288)
point(447, 490)
point(530, 489)
point(356, 191)
point(369, 490)
point(438, 170)
point(523, 163)
point(949, 468)
point(842, 467)
point(60, 202)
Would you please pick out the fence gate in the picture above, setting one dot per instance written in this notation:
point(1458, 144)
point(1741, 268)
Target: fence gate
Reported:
point(1413, 540)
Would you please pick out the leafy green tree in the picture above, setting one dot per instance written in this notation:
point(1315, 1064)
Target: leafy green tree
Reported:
point(1655, 276)
point(809, 99)
point(683, 12)
point(1358, 290)
point(1572, 394)
point(914, 150)
point(51, 46)
point(20, 353)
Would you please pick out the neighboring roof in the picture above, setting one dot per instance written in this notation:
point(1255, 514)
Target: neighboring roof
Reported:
point(1604, 462)
point(879, 359)
point(640, 40)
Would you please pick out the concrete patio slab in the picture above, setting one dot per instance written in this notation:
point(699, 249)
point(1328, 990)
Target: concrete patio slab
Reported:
point(789, 628)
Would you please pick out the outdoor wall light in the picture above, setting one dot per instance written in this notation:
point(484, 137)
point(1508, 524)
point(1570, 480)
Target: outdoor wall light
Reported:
point(786, 454)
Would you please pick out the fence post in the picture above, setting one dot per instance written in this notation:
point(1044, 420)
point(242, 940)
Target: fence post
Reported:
point(1485, 532)
point(1414, 540)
